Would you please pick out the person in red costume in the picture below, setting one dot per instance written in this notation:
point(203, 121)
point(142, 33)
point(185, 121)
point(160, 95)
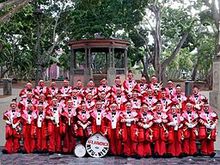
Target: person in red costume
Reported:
point(66, 89)
point(136, 100)
point(180, 97)
point(91, 88)
point(12, 117)
point(129, 130)
point(164, 99)
point(30, 98)
point(145, 137)
point(104, 99)
point(41, 129)
point(142, 85)
point(97, 117)
point(207, 129)
point(197, 98)
point(171, 90)
point(119, 98)
point(149, 98)
point(76, 98)
point(28, 88)
point(68, 118)
point(83, 124)
point(53, 115)
point(90, 101)
point(117, 85)
point(175, 136)
point(52, 90)
point(79, 87)
point(130, 83)
point(41, 88)
point(190, 131)
point(160, 131)
point(112, 122)
point(29, 128)
point(104, 87)
point(155, 85)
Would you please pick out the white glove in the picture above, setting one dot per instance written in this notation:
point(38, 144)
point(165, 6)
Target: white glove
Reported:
point(212, 126)
point(146, 126)
point(158, 121)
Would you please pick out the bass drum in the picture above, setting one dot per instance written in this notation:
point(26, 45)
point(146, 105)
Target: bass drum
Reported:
point(80, 151)
point(97, 146)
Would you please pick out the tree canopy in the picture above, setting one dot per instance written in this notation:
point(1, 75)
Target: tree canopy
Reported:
point(167, 37)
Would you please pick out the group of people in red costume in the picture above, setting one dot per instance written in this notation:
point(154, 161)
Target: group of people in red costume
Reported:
point(139, 118)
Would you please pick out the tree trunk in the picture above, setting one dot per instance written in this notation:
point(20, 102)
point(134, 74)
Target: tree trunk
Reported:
point(157, 42)
point(145, 73)
point(194, 72)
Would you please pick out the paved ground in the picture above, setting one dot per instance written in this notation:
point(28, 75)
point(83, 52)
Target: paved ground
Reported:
point(24, 159)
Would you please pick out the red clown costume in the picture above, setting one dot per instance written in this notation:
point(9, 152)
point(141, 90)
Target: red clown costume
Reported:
point(41, 129)
point(160, 131)
point(112, 122)
point(68, 119)
point(175, 136)
point(12, 118)
point(129, 130)
point(190, 131)
point(83, 124)
point(145, 137)
point(53, 114)
point(207, 129)
point(29, 128)
point(129, 84)
point(98, 114)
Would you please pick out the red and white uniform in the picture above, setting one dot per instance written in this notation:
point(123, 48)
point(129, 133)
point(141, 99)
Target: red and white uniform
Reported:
point(119, 100)
point(66, 91)
point(207, 130)
point(23, 104)
point(129, 85)
point(197, 99)
point(129, 132)
point(160, 132)
point(76, 101)
point(90, 103)
point(29, 130)
point(12, 118)
point(52, 91)
point(69, 120)
point(104, 88)
point(136, 103)
point(92, 90)
point(41, 131)
point(149, 100)
point(112, 122)
point(98, 124)
point(190, 132)
point(165, 103)
point(145, 137)
point(40, 90)
point(84, 129)
point(181, 99)
point(175, 136)
point(141, 87)
point(171, 92)
point(117, 87)
point(53, 115)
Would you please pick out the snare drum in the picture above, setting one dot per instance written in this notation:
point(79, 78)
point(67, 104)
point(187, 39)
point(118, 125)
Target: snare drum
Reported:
point(80, 151)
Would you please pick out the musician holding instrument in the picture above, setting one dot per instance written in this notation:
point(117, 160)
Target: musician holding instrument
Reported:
point(207, 129)
point(12, 117)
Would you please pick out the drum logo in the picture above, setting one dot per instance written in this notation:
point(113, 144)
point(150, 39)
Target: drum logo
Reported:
point(97, 146)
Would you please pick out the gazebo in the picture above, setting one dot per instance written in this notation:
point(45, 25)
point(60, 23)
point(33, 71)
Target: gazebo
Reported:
point(97, 59)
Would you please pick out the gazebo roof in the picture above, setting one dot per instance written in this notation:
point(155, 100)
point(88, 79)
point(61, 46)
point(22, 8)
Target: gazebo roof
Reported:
point(99, 43)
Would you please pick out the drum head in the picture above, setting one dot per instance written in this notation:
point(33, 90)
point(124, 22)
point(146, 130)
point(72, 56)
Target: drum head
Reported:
point(80, 151)
point(97, 146)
